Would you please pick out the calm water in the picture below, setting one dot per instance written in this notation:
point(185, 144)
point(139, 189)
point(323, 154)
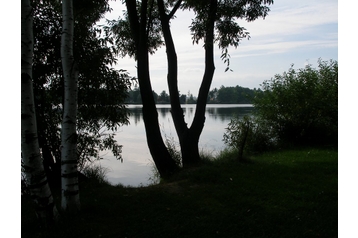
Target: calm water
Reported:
point(137, 166)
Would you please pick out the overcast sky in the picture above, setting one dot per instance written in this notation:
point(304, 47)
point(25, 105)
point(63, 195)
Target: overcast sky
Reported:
point(295, 32)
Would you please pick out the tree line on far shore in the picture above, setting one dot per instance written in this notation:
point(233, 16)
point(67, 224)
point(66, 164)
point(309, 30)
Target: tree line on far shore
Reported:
point(223, 95)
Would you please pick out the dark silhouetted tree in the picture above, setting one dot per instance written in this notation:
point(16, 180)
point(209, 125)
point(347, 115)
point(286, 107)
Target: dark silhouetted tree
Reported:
point(143, 35)
point(215, 21)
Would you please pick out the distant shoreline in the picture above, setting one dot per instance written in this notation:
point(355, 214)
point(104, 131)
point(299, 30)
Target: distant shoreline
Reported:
point(194, 104)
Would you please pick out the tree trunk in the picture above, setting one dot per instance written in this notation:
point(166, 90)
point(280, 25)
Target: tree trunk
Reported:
point(69, 176)
point(199, 117)
point(180, 125)
point(189, 137)
point(162, 159)
point(31, 156)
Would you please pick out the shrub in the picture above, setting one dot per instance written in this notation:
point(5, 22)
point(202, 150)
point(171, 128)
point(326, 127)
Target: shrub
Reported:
point(248, 134)
point(261, 137)
point(301, 106)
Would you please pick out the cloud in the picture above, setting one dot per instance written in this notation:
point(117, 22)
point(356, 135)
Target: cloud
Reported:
point(280, 47)
point(295, 17)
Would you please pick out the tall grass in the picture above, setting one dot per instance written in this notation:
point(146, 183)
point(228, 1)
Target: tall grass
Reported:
point(96, 172)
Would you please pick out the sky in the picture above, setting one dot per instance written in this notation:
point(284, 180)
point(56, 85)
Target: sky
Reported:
point(297, 32)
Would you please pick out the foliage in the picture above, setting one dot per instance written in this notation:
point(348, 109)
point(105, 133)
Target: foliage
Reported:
point(237, 133)
point(301, 106)
point(135, 98)
point(227, 95)
point(102, 89)
point(228, 31)
point(248, 134)
point(261, 137)
point(119, 30)
point(163, 97)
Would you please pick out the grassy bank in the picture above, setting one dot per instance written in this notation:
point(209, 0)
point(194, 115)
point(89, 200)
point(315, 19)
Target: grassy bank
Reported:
point(290, 193)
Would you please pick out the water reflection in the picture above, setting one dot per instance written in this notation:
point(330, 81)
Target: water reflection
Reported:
point(137, 166)
point(226, 113)
point(135, 114)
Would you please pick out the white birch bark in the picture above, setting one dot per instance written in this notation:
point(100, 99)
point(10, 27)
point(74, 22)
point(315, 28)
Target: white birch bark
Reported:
point(31, 156)
point(69, 177)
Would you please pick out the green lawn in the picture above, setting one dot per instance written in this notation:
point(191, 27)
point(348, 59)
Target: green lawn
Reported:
point(291, 193)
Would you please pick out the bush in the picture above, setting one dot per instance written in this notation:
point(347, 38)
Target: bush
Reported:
point(301, 106)
point(261, 137)
point(248, 134)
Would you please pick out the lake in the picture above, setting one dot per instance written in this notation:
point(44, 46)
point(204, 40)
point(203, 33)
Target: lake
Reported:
point(137, 166)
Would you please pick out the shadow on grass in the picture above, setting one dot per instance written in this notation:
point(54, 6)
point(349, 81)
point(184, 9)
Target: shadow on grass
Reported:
point(278, 194)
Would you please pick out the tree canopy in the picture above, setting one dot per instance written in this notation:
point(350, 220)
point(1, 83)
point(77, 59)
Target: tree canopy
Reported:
point(101, 88)
point(228, 29)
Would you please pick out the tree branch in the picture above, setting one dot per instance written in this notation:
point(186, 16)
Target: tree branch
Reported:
point(177, 5)
point(133, 19)
point(150, 18)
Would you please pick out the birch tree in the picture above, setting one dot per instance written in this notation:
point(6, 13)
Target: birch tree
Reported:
point(69, 176)
point(98, 84)
point(31, 156)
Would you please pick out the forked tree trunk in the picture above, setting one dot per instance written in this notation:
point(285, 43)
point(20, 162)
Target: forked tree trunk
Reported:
point(31, 156)
point(69, 176)
point(189, 137)
point(161, 157)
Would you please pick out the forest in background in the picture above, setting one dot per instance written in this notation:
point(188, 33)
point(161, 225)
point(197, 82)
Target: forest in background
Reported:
point(223, 95)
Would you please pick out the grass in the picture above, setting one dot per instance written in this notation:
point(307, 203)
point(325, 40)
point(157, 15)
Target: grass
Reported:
point(96, 172)
point(292, 193)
